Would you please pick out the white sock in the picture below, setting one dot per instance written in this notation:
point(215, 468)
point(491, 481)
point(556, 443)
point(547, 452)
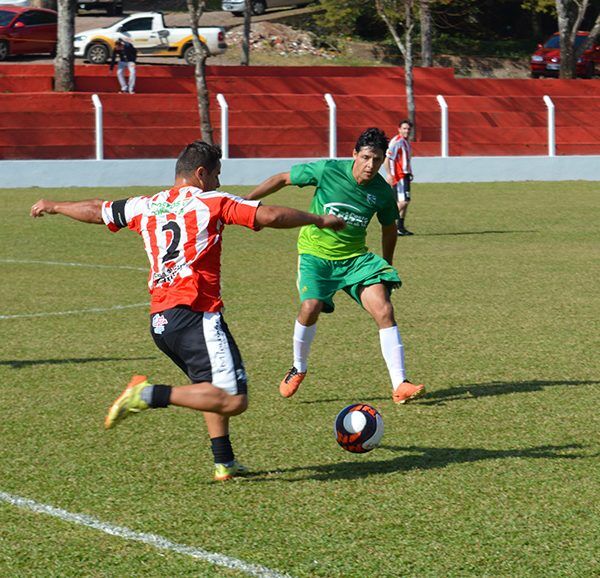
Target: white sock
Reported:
point(303, 338)
point(393, 353)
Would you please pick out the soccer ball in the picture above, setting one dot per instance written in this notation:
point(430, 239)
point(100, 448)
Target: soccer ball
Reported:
point(358, 428)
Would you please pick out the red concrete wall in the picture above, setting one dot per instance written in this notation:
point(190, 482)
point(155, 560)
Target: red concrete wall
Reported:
point(280, 112)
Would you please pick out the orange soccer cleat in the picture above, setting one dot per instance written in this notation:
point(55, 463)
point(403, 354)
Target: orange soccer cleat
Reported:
point(291, 382)
point(407, 391)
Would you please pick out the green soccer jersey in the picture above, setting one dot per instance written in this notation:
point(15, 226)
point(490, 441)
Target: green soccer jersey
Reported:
point(338, 193)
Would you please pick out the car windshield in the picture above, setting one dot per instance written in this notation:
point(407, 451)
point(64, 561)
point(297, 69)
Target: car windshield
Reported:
point(554, 42)
point(115, 23)
point(6, 17)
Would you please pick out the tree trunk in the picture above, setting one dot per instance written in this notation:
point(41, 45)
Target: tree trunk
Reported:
point(408, 65)
point(246, 37)
point(570, 16)
point(405, 48)
point(426, 33)
point(195, 9)
point(64, 63)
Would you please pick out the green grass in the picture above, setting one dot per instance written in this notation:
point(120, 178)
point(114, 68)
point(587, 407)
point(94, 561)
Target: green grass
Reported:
point(494, 473)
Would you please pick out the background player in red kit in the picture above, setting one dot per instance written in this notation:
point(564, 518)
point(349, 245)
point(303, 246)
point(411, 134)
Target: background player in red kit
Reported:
point(398, 168)
point(181, 229)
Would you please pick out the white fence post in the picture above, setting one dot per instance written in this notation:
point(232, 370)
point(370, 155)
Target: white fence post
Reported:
point(332, 126)
point(444, 116)
point(551, 126)
point(224, 125)
point(99, 128)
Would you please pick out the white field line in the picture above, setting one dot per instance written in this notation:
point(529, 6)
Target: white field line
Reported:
point(74, 311)
point(153, 540)
point(66, 264)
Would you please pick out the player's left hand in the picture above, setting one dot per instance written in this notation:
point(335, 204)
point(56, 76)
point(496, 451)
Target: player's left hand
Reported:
point(41, 207)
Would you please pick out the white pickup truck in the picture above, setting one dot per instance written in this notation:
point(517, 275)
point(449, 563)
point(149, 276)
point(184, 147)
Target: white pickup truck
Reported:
point(148, 33)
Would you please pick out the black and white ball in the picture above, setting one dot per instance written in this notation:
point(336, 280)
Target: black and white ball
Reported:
point(358, 428)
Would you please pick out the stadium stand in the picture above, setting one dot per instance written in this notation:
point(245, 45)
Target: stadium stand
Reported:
point(281, 112)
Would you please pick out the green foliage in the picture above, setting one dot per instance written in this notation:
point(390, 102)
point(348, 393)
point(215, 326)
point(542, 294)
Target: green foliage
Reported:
point(494, 473)
point(341, 16)
point(540, 6)
point(460, 45)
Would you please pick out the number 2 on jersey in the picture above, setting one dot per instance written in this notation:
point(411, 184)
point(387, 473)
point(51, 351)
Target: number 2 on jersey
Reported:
point(172, 250)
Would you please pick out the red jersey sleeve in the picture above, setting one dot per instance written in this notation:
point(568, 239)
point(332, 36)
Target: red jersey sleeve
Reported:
point(238, 211)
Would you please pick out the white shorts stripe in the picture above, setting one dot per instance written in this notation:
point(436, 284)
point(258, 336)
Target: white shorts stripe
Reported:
point(153, 540)
point(221, 360)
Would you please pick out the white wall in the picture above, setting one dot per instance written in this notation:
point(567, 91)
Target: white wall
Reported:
point(160, 172)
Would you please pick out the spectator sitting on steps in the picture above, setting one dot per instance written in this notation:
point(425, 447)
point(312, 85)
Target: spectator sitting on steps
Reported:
point(127, 54)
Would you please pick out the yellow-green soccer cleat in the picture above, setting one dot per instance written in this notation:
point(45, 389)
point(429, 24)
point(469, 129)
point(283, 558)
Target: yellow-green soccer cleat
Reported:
point(129, 402)
point(224, 472)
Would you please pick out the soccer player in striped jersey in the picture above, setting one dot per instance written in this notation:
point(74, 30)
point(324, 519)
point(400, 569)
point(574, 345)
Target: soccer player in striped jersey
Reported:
point(399, 171)
point(330, 261)
point(181, 228)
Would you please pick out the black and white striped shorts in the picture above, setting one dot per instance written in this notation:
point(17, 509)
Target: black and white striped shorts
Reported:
point(202, 346)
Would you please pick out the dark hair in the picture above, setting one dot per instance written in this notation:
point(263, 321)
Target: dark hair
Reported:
point(372, 138)
point(197, 154)
point(405, 121)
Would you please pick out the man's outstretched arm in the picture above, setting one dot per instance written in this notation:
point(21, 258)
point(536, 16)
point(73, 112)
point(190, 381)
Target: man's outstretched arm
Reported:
point(88, 211)
point(271, 185)
point(288, 218)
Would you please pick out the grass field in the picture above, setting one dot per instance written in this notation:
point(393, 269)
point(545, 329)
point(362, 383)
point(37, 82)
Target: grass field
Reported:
point(494, 473)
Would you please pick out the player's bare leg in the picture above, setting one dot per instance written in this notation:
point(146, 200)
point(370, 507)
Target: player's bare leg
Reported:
point(304, 333)
point(376, 300)
point(206, 397)
point(140, 395)
point(402, 210)
point(226, 466)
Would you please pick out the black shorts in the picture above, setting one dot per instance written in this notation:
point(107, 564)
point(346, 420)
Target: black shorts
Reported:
point(202, 346)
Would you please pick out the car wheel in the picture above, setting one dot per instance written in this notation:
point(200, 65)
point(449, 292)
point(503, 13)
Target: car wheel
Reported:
point(589, 71)
point(189, 54)
point(4, 51)
point(535, 75)
point(97, 54)
point(258, 7)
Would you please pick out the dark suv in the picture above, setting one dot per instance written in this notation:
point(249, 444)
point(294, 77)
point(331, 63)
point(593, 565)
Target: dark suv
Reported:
point(111, 7)
point(545, 61)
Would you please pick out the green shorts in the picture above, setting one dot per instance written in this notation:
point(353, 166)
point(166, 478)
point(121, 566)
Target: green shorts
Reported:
point(321, 278)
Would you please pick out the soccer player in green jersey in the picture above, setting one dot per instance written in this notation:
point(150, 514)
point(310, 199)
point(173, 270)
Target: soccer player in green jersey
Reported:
point(333, 260)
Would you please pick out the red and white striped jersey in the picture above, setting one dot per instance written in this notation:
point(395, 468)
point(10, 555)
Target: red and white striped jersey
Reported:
point(182, 233)
point(399, 152)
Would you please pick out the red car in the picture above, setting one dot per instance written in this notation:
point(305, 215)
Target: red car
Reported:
point(25, 30)
point(545, 61)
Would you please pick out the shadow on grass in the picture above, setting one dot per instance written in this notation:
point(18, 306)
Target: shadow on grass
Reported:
point(421, 458)
point(476, 390)
point(346, 400)
point(20, 363)
point(472, 233)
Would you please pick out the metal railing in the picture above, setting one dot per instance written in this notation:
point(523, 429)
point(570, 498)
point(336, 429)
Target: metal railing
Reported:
point(99, 127)
point(331, 104)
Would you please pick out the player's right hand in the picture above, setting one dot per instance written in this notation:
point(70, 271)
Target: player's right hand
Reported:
point(333, 222)
point(42, 206)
